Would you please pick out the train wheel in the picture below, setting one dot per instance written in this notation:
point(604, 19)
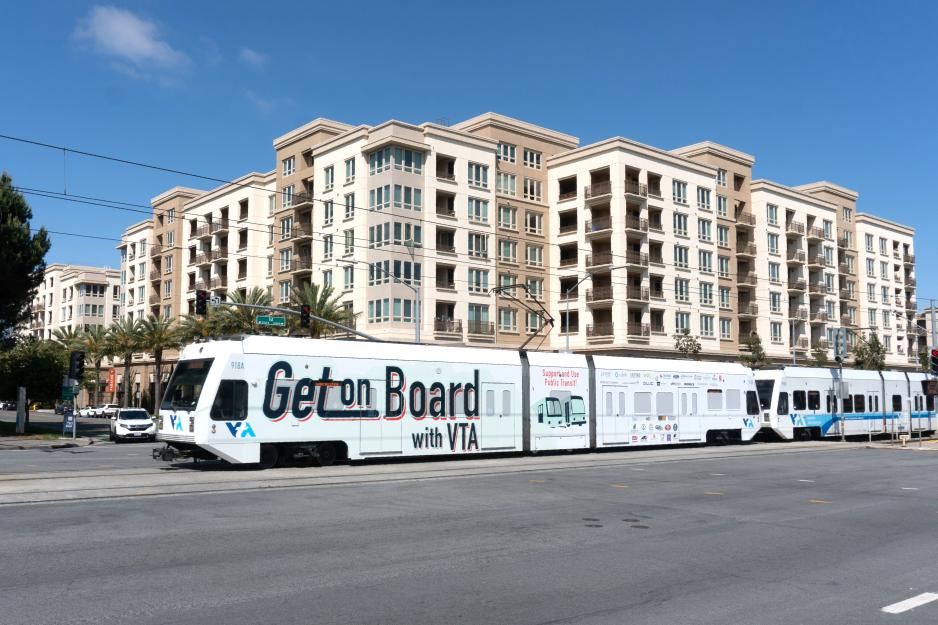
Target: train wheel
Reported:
point(325, 454)
point(269, 456)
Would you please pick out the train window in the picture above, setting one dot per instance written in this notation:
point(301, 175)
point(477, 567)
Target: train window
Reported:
point(814, 400)
point(506, 402)
point(540, 413)
point(798, 400)
point(752, 402)
point(782, 407)
point(642, 403)
point(665, 403)
point(732, 399)
point(489, 403)
point(231, 401)
point(714, 399)
point(897, 403)
point(859, 403)
point(684, 403)
point(609, 404)
point(930, 403)
point(829, 405)
point(693, 399)
point(874, 403)
point(622, 405)
point(848, 404)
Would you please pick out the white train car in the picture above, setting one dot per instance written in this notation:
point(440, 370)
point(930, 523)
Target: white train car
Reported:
point(805, 402)
point(266, 399)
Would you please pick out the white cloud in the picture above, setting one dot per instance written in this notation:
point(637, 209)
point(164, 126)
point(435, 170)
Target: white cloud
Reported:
point(266, 105)
point(134, 42)
point(253, 57)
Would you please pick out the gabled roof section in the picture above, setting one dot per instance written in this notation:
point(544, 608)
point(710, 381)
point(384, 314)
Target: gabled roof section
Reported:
point(318, 124)
point(175, 192)
point(790, 192)
point(621, 143)
point(722, 151)
point(830, 187)
point(250, 180)
point(521, 127)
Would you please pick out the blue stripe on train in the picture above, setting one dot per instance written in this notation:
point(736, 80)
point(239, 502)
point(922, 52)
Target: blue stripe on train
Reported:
point(825, 421)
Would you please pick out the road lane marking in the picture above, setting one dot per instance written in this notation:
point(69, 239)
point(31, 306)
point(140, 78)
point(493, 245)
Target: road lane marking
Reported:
point(718, 474)
point(908, 488)
point(618, 485)
point(910, 603)
point(713, 493)
point(819, 501)
point(807, 481)
point(537, 481)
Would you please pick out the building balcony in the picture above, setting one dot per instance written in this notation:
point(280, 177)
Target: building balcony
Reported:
point(637, 224)
point(815, 234)
point(205, 258)
point(202, 285)
point(634, 187)
point(219, 255)
point(447, 326)
point(910, 304)
point(217, 284)
point(155, 300)
point(910, 281)
point(844, 244)
point(908, 259)
point(302, 265)
point(481, 328)
point(798, 314)
point(848, 295)
point(637, 293)
point(797, 286)
point(912, 329)
point(446, 211)
point(566, 195)
point(599, 259)
point(601, 295)
point(636, 258)
point(802, 344)
point(819, 316)
point(748, 310)
point(155, 277)
point(796, 258)
point(203, 232)
point(219, 227)
point(445, 247)
point(302, 233)
point(747, 280)
point(156, 250)
point(569, 261)
point(817, 288)
point(747, 250)
point(846, 269)
point(823, 344)
point(846, 321)
point(600, 225)
point(599, 330)
point(597, 190)
point(638, 330)
point(302, 199)
point(816, 260)
point(745, 221)
point(794, 228)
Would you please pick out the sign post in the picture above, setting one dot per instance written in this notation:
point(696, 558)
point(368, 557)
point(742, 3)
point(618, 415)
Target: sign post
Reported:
point(21, 408)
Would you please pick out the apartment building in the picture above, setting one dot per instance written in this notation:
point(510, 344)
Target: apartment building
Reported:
point(642, 264)
point(226, 240)
point(167, 271)
point(134, 251)
point(887, 281)
point(74, 296)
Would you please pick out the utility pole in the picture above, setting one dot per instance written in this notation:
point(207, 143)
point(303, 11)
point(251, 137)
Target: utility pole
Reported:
point(934, 329)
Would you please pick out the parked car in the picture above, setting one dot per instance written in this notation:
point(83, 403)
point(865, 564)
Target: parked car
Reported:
point(7, 405)
point(107, 410)
point(88, 411)
point(132, 424)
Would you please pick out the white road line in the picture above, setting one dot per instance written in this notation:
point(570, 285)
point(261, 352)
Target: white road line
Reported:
point(808, 481)
point(911, 603)
point(718, 474)
point(908, 488)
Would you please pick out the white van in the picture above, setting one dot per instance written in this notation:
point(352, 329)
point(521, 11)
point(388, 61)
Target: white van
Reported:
point(132, 424)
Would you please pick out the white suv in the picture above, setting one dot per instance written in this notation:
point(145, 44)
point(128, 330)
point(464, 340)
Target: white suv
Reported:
point(107, 410)
point(132, 424)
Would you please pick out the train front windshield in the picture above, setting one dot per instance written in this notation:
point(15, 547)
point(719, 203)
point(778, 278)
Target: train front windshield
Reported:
point(184, 388)
point(764, 387)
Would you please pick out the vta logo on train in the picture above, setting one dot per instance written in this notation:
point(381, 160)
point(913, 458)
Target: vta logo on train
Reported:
point(175, 422)
point(246, 430)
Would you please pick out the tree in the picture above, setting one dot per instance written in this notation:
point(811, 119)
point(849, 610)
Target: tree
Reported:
point(37, 365)
point(94, 344)
point(686, 344)
point(869, 354)
point(755, 358)
point(68, 337)
point(157, 334)
point(322, 303)
point(924, 361)
point(199, 328)
point(123, 339)
point(22, 256)
point(819, 353)
point(237, 320)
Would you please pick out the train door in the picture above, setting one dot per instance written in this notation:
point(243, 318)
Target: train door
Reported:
point(498, 420)
point(380, 435)
point(615, 421)
point(689, 417)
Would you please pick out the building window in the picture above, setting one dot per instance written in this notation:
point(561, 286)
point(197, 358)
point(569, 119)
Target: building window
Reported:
point(535, 288)
point(828, 256)
point(379, 198)
point(775, 329)
point(478, 210)
point(775, 302)
point(884, 270)
point(870, 268)
point(505, 183)
point(681, 254)
point(286, 228)
point(773, 243)
point(869, 243)
point(408, 160)
point(349, 205)
point(478, 280)
point(478, 175)
point(408, 197)
point(682, 321)
point(478, 245)
point(725, 297)
point(887, 319)
point(270, 266)
point(532, 159)
point(828, 229)
point(682, 289)
point(507, 251)
point(680, 224)
point(349, 170)
point(705, 230)
point(726, 329)
point(379, 161)
point(289, 166)
point(286, 200)
point(882, 246)
point(706, 325)
point(534, 255)
point(721, 206)
point(328, 212)
point(171, 215)
point(723, 236)
point(348, 278)
point(723, 266)
point(706, 261)
point(327, 278)
point(327, 247)
point(532, 189)
point(329, 178)
point(508, 217)
point(679, 191)
point(349, 242)
point(703, 198)
point(721, 177)
point(379, 310)
point(534, 322)
point(771, 214)
point(848, 214)
point(285, 259)
point(506, 152)
point(706, 294)
point(508, 320)
point(285, 291)
point(170, 238)
point(533, 222)
point(271, 204)
point(775, 273)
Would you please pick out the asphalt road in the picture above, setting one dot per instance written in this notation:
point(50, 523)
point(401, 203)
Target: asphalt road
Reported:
point(754, 535)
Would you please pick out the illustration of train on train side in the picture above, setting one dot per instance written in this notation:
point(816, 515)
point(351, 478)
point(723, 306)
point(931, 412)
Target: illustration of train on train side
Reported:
point(277, 400)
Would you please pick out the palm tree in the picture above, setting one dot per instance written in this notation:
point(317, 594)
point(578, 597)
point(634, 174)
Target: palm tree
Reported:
point(123, 338)
point(69, 337)
point(323, 303)
point(198, 328)
point(237, 320)
point(95, 345)
point(157, 334)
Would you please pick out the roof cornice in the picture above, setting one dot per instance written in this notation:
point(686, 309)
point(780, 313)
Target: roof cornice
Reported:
point(511, 124)
point(628, 145)
point(709, 147)
point(790, 192)
point(830, 187)
point(320, 123)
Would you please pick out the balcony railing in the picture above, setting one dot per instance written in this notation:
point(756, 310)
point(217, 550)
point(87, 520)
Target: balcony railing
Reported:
point(568, 228)
point(219, 283)
point(637, 293)
point(633, 222)
point(817, 287)
point(220, 254)
point(203, 231)
point(845, 268)
point(799, 314)
point(598, 224)
point(819, 316)
point(447, 326)
point(747, 279)
point(634, 187)
point(302, 263)
point(485, 328)
point(910, 281)
point(599, 294)
point(746, 220)
point(597, 189)
point(567, 195)
point(636, 258)
point(848, 295)
point(638, 329)
point(301, 199)
point(446, 211)
point(747, 249)
point(748, 310)
point(445, 175)
point(657, 328)
point(802, 344)
point(793, 227)
point(598, 259)
point(156, 250)
point(816, 260)
point(219, 226)
point(203, 259)
point(796, 257)
point(599, 329)
point(446, 248)
point(844, 243)
point(816, 233)
point(908, 259)
point(154, 300)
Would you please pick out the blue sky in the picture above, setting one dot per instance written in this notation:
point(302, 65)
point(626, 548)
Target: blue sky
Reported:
point(838, 91)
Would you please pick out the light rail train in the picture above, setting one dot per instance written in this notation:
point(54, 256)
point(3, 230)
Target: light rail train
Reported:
point(271, 400)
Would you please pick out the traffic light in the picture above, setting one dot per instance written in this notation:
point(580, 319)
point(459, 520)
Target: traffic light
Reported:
point(201, 302)
point(840, 344)
point(76, 365)
point(304, 316)
point(933, 360)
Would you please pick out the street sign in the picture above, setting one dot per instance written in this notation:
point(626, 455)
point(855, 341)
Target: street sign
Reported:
point(215, 301)
point(68, 423)
point(68, 393)
point(271, 320)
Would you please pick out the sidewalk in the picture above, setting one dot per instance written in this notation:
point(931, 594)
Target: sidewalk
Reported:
point(17, 443)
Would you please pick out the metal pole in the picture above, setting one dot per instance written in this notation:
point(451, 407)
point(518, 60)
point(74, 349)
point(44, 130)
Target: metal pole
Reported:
point(413, 265)
point(840, 405)
point(290, 311)
point(568, 320)
point(794, 358)
point(934, 328)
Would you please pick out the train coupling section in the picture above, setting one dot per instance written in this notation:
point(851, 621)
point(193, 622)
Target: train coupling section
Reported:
point(169, 454)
